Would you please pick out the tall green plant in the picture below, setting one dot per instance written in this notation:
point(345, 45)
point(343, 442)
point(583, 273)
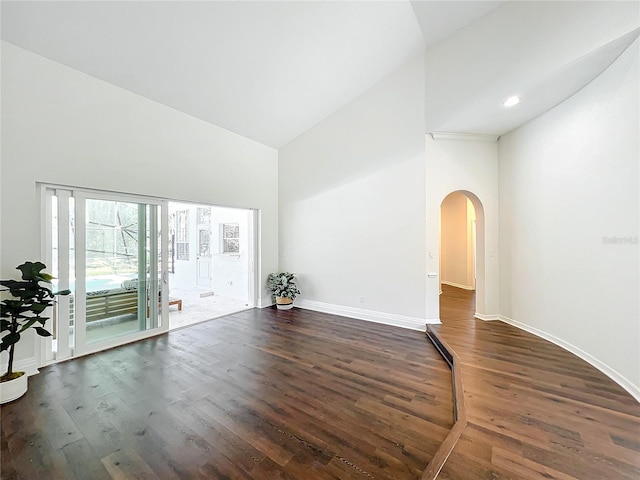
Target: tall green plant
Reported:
point(25, 309)
point(283, 285)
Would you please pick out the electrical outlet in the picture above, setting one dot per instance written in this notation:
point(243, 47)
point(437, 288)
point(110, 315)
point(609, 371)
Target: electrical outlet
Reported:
point(362, 300)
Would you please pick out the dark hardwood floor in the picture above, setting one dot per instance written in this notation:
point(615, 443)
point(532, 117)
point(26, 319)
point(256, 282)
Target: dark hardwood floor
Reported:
point(534, 410)
point(260, 394)
point(268, 394)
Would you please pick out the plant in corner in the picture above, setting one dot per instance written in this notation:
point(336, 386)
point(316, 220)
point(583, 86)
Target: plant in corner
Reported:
point(284, 288)
point(20, 313)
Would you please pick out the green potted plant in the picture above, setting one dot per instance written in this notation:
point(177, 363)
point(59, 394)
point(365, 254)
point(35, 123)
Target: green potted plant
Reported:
point(283, 286)
point(23, 311)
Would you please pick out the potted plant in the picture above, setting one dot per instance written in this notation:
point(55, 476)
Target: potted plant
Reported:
point(284, 288)
point(20, 313)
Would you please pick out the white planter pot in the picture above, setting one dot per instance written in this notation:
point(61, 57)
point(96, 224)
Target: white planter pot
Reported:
point(284, 303)
point(13, 389)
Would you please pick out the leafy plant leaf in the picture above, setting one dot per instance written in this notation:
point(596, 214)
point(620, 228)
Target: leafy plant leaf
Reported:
point(42, 332)
point(9, 340)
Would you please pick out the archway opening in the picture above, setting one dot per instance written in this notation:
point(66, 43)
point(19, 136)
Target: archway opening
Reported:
point(462, 250)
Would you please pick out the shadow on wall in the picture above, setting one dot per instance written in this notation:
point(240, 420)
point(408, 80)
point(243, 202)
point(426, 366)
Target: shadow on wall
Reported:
point(382, 127)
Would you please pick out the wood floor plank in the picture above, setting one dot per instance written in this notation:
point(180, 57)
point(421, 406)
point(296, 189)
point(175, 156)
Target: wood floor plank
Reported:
point(126, 464)
point(92, 468)
point(6, 461)
point(513, 462)
point(244, 426)
point(221, 438)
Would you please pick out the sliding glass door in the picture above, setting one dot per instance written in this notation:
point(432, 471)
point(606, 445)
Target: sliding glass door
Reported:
point(110, 250)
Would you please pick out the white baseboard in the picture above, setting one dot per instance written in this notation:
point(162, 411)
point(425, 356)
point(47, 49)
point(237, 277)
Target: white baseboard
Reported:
point(458, 285)
point(486, 318)
point(266, 303)
point(634, 390)
point(412, 323)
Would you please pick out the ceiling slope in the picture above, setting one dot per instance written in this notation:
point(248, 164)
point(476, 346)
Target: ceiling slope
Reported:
point(272, 70)
point(543, 52)
point(266, 70)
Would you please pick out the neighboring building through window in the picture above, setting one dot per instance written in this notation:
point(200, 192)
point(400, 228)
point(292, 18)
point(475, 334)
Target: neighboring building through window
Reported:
point(204, 215)
point(182, 235)
point(230, 238)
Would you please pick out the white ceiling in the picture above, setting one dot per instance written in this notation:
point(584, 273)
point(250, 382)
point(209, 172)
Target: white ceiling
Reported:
point(542, 51)
point(271, 70)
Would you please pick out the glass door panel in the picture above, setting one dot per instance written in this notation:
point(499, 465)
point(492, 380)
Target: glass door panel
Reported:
point(113, 258)
point(117, 269)
point(59, 208)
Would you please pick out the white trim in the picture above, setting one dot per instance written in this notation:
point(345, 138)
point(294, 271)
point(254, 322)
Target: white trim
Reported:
point(486, 318)
point(393, 319)
point(252, 246)
point(80, 287)
point(634, 390)
point(46, 205)
point(458, 285)
point(472, 137)
point(64, 242)
point(155, 287)
point(164, 261)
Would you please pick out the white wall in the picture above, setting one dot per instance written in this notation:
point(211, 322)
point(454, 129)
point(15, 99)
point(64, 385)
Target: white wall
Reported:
point(63, 127)
point(470, 165)
point(568, 184)
point(352, 205)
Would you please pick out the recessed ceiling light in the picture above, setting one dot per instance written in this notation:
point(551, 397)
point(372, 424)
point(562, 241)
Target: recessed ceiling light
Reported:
point(511, 101)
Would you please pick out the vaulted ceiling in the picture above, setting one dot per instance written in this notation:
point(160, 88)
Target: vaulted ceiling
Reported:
point(271, 70)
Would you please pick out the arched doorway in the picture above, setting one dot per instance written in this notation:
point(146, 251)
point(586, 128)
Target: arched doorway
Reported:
point(462, 244)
